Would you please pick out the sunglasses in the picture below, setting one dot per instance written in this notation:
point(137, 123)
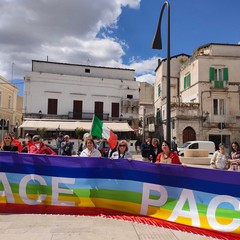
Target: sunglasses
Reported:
point(36, 139)
point(122, 145)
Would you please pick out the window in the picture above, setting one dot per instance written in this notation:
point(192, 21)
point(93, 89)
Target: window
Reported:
point(52, 106)
point(187, 81)
point(77, 109)
point(218, 76)
point(115, 110)
point(218, 107)
point(87, 70)
point(159, 90)
point(130, 96)
point(99, 110)
point(9, 101)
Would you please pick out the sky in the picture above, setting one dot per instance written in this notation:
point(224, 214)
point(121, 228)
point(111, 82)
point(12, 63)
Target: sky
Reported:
point(109, 33)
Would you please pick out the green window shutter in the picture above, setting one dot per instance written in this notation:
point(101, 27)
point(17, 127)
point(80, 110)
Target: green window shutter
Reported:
point(159, 90)
point(189, 80)
point(185, 80)
point(225, 74)
point(211, 73)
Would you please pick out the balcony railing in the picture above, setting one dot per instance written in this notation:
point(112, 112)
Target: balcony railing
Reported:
point(70, 115)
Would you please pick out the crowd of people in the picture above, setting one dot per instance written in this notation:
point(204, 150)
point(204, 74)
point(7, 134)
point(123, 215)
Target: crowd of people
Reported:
point(151, 150)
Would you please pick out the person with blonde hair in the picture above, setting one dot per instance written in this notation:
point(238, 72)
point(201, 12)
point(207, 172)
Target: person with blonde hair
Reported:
point(90, 150)
point(8, 144)
point(122, 151)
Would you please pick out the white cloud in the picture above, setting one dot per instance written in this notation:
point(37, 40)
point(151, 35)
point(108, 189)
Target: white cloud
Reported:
point(60, 30)
point(65, 31)
point(150, 78)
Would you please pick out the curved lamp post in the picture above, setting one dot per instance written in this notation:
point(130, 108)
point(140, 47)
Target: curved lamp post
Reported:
point(157, 44)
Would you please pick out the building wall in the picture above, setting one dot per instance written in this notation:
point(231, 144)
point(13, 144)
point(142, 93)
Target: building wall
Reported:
point(70, 82)
point(195, 109)
point(10, 105)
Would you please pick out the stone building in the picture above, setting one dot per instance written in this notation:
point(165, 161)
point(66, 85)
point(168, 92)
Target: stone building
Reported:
point(205, 94)
point(10, 107)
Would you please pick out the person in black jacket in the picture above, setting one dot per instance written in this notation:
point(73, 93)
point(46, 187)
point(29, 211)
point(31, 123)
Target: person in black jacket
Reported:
point(157, 148)
point(147, 150)
point(66, 146)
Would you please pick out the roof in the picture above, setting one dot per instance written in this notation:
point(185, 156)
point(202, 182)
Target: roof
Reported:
point(175, 56)
point(82, 65)
point(71, 126)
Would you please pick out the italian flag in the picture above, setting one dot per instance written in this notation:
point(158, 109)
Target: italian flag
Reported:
point(100, 130)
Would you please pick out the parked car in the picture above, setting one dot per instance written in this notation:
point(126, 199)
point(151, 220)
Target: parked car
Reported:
point(104, 148)
point(207, 145)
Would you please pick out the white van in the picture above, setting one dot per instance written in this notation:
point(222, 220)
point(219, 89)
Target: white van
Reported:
point(206, 145)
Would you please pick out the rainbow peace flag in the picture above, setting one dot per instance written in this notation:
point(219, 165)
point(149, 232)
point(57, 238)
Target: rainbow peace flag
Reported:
point(203, 198)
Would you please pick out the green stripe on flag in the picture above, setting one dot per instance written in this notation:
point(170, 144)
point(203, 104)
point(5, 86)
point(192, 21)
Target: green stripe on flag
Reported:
point(97, 127)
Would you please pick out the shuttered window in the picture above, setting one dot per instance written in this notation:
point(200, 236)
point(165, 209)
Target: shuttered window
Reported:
point(187, 81)
point(159, 90)
point(115, 110)
point(99, 110)
point(52, 106)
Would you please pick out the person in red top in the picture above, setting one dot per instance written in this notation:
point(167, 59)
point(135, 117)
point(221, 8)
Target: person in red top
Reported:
point(40, 147)
point(29, 142)
point(167, 156)
point(16, 142)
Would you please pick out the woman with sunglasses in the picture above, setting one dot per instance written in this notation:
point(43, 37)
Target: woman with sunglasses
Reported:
point(167, 156)
point(7, 144)
point(39, 147)
point(122, 151)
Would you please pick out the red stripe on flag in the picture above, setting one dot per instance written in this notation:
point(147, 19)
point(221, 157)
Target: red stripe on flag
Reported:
point(112, 141)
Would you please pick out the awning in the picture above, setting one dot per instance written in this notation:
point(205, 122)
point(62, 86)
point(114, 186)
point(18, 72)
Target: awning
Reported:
point(72, 125)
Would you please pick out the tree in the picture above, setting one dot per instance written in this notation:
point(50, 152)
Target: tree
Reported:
point(79, 132)
point(42, 132)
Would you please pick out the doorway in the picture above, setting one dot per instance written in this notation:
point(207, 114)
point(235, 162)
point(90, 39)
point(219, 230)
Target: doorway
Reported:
point(189, 134)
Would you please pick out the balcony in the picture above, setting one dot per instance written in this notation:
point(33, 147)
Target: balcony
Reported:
point(70, 115)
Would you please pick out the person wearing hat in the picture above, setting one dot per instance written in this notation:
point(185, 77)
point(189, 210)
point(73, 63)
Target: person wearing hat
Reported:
point(219, 159)
point(39, 147)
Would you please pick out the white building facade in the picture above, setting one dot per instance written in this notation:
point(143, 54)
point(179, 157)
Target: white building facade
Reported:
point(71, 92)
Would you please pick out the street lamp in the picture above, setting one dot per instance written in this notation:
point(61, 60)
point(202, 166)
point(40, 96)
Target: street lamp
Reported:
point(157, 44)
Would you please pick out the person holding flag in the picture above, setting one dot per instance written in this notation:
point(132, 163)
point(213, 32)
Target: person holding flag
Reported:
point(100, 130)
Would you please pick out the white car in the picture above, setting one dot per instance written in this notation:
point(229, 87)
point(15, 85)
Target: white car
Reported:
point(206, 145)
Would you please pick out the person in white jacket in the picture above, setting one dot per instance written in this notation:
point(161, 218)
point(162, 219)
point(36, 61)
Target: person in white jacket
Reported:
point(122, 151)
point(219, 159)
point(90, 150)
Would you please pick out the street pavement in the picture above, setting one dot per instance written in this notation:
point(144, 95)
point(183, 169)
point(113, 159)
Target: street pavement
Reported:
point(65, 227)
